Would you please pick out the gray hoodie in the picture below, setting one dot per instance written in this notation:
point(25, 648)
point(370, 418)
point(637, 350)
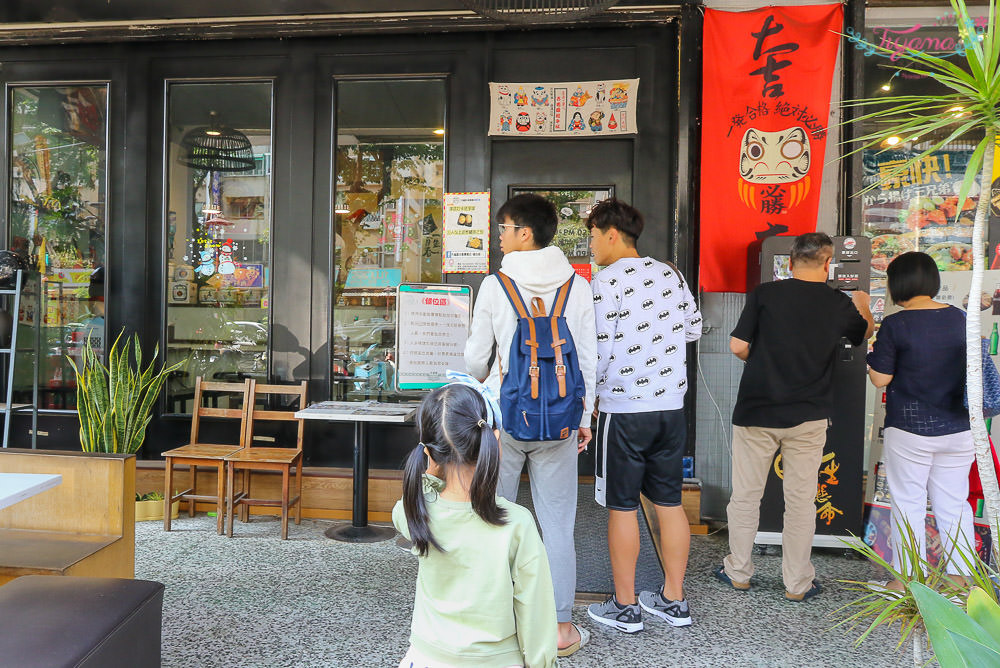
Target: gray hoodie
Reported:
point(537, 273)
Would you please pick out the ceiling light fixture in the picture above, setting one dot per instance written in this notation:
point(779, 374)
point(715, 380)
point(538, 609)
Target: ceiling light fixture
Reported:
point(216, 148)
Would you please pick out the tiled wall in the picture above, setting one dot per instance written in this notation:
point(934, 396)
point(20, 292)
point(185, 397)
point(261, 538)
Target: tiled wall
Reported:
point(718, 380)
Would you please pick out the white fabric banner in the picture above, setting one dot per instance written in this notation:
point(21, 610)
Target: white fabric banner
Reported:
point(565, 109)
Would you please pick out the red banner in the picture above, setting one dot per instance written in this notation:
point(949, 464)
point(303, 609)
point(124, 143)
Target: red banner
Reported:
point(766, 103)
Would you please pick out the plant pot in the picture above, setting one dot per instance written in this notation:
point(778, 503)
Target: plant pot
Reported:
point(153, 510)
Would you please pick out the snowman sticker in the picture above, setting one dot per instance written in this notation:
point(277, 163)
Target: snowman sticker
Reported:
point(206, 258)
point(226, 265)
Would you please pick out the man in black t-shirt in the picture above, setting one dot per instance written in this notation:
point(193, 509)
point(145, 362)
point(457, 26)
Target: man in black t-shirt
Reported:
point(788, 335)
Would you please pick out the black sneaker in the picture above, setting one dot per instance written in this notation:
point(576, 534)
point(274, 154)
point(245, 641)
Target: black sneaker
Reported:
point(677, 613)
point(626, 618)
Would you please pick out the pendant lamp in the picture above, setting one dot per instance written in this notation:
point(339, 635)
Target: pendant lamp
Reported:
point(216, 148)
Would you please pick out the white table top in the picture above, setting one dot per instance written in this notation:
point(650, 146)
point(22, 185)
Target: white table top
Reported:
point(16, 487)
point(358, 411)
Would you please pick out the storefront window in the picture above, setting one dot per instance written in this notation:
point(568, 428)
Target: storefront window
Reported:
point(918, 210)
point(218, 226)
point(58, 194)
point(573, 205)
point(387, 220)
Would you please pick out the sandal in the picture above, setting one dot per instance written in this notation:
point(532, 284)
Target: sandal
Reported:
point(570, 650)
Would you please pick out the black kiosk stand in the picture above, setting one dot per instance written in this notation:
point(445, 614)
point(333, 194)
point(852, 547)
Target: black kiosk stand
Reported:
point(840, 486)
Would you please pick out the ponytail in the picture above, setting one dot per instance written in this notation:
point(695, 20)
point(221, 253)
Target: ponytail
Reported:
point(414, 504)
point(456, 426)
point(483, 488)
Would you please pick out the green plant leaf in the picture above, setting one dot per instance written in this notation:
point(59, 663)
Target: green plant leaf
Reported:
point(970, 654)
point(984, 611)
point(941, 616)
point(972, 171)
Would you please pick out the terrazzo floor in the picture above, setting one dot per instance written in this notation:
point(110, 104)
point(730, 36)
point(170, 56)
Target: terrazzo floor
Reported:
point(257, 601)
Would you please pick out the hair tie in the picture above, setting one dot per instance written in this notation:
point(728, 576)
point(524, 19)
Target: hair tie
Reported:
point(481, 423)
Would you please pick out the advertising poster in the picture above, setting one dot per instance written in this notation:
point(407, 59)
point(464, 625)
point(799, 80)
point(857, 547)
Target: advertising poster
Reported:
point(433, 324)
point(466, 233)
point(565, 109)
point(768, 74)
point(918, 211)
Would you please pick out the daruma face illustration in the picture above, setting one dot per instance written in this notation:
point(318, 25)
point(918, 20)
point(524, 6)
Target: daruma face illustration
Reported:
point(774, 157)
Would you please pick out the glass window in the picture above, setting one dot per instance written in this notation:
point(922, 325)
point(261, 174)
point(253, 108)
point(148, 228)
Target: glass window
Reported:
point(918, 210)
point(58, 194)
point(573, 205)
point(218, 227)
point(387, 220)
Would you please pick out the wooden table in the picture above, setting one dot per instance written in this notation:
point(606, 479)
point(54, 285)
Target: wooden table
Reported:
point(361, 414)
point(16, 487)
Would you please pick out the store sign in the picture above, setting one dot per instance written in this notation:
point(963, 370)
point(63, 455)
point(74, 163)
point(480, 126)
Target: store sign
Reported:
point(766, 100)
point(565, 109)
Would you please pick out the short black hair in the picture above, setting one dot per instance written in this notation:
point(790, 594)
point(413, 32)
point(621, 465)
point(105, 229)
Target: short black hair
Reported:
point(532, 211)
point(619, 215)
point(812, 248)
point(912, 275)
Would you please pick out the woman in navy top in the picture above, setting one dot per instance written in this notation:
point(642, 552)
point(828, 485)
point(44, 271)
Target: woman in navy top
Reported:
point(919, 357)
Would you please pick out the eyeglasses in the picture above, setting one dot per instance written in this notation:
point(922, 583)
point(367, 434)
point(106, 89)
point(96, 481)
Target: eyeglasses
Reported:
point(503, 227)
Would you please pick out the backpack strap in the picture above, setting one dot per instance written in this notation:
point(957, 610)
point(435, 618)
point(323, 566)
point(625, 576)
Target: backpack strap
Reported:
point(558, 307)
point(515, 300)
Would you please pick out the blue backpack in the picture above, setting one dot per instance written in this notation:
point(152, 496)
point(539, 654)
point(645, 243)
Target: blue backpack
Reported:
point(542, 394)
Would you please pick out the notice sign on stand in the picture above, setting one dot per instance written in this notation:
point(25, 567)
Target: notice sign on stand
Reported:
point(466, 233)
point(433, 324)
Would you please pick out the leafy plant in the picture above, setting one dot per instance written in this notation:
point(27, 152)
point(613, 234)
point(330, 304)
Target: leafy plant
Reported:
point(959, 639)
point(879, 605)
point(149, 496)
point(115, 401)
point(966, 108)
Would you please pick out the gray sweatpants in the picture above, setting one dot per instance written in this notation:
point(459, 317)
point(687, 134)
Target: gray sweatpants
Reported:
point(553, 476)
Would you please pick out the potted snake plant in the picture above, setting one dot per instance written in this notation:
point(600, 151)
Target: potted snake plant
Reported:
point(115, 400)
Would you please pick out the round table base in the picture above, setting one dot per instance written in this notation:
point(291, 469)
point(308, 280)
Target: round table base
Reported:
point(349, 533)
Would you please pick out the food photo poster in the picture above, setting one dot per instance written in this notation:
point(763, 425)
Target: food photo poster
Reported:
point(466, 233)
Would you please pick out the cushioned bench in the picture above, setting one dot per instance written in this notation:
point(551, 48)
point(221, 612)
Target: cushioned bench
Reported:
point(80, 622)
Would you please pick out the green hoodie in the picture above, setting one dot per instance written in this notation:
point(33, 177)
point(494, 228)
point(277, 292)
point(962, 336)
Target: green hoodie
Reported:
point(486, 601)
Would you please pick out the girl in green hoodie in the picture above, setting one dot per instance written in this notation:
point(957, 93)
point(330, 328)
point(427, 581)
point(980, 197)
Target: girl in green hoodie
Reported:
point(484, 592)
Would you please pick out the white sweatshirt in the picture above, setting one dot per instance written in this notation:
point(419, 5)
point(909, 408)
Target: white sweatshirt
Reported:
point(537, 273)
point(645, 316)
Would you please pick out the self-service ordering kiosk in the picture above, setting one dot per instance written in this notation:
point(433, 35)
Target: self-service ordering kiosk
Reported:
point(840, 487)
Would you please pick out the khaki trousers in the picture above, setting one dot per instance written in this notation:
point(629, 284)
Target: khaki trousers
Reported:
point(801, 454)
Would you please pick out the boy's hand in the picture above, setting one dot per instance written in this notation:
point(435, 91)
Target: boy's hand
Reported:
point(583, 436)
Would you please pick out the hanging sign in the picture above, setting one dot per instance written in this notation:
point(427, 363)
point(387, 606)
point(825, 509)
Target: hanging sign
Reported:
point(565, 109)
point(766, 100)
point(466, 233)
point(432, 324)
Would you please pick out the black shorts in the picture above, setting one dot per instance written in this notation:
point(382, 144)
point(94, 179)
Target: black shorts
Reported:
point(639, 452)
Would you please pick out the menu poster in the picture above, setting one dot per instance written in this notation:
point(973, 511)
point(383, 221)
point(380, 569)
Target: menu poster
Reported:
point(466, 233)
point(565, 109)
point(433, 325)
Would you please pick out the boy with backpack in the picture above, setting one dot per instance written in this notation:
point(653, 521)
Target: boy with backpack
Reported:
point(533, 339)
point(646, 316)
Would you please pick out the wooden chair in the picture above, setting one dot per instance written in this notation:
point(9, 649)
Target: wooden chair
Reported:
point(257, 458)
point(197, 453)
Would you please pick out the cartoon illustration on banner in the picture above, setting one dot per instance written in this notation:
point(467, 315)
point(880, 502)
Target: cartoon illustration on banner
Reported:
point(567, 109)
